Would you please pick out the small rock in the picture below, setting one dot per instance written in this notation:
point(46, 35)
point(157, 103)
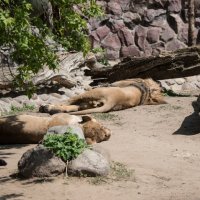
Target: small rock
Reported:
point(191, 79)
point(180, 81)
point(170, 82)
point(187, 86)
point(44, 97)
point(89, 163)
point(165, 85)
point(40, 162)
point(63, 129)
point(176, 88)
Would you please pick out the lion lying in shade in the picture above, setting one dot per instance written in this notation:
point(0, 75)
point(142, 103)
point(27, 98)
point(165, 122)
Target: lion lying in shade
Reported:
point(119, 95)
point(29, 129)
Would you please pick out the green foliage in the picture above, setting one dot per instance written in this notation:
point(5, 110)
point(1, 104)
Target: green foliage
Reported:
point(66, 146)
point(26, 35)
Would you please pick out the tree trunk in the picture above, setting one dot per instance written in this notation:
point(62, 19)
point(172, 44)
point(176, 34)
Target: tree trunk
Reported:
point(68, 74)
point(181, 63)
point(191, 23)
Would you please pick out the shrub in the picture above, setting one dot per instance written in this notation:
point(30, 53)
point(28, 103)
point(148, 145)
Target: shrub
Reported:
point(66, 146)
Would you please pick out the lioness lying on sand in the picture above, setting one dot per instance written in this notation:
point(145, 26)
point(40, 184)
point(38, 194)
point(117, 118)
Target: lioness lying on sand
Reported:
point(120, 95)
point(29, 129)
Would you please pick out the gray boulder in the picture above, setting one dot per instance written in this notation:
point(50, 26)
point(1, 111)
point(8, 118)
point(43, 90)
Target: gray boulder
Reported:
point(89, 163)
point(40, 162)
point(62, 129)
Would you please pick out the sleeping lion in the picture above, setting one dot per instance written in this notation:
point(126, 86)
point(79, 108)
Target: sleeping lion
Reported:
point(119, 95)
point(30, 129)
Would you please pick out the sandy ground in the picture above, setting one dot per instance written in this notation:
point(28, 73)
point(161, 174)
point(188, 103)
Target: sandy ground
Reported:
point(160, 143)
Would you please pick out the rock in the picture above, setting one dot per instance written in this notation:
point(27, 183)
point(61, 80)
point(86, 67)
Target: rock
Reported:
point(176, 88)
point(130, 17)
point(21, 99)
point(94, 23)
point(89, 163)
point(126, 36)
point(174, 45)
point(191, 79)
point(74, 129)
point(34, 96)
point(5, 107)
point(165, 85)
point(170, 82)
point(7, 100)
point(151, 14)
point(112, 54)
point(116, 25)
point(198, 78)
point(187, 86)
point(157, 48)
point(44, 97)
point(124, 4)
point(140, 39)
point(40, 162)
point(130, 51)
point(153, 35)
point(111, 41)
point(114, 8)
point(16, 104)
point(180, 81)
point(102, 32)
point(174, 6)
point(167, 34)
point(104, 152)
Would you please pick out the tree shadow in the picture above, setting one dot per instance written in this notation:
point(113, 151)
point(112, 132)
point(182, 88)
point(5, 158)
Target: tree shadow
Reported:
point(32, 180)
point(189, 126)
point(11, 196)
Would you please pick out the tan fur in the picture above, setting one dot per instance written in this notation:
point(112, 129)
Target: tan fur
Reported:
point(121, 95)
point(29, 129)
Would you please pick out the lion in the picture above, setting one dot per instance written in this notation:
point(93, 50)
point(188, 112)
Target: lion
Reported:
point(119, 95)
point(30, 129)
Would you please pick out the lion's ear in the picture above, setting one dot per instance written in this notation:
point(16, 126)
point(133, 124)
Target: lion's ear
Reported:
point(87, 118)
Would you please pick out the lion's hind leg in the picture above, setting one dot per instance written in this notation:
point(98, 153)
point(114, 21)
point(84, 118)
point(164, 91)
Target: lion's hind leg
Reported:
point(52, 109)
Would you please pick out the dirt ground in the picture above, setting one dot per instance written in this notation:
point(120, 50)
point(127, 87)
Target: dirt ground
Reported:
point(160, 143)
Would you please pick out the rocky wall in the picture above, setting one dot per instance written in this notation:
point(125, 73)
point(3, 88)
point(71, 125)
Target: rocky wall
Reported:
point(142, 27)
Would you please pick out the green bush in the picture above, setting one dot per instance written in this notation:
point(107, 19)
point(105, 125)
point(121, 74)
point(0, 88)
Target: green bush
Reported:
point(66, 146)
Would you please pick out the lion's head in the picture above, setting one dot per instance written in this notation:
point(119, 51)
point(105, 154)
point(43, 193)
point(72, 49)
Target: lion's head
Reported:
point(94, 131)
point(155, 92)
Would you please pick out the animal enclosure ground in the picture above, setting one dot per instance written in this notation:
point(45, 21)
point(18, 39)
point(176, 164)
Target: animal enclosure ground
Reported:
point(160, 144)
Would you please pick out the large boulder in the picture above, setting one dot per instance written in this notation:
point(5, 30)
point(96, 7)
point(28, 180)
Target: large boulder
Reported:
point(40, 162)
point(89, 163)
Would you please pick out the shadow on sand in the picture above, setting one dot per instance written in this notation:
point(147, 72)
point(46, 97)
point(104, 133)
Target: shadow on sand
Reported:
point(189, 126)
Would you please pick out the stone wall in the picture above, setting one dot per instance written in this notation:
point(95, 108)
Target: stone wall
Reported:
point(141, 27)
